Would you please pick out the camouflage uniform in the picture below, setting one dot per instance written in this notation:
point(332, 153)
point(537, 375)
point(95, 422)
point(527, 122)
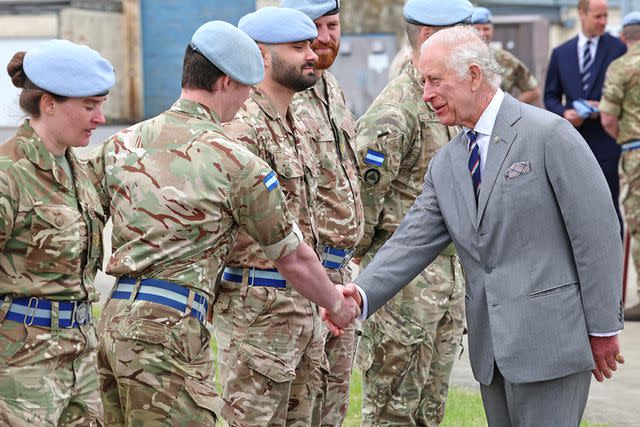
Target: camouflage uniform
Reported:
point(177, 189)
point(51, 242)
point(270, 339)
point(621, 98)
point(408, 347)
point(340, 219)
point(514, 72)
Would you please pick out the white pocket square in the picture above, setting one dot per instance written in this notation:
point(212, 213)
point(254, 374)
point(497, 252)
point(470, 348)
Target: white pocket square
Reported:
point(517, 169)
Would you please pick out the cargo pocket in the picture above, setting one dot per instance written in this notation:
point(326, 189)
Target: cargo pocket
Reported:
point(56, 233)
point(204, 396)
point(145, 330)
point(13, 336)
point(266, 363)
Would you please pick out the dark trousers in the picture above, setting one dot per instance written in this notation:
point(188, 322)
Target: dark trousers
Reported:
point(610, 170)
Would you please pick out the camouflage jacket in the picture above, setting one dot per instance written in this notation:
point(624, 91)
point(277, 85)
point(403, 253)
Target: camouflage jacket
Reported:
point(514, 72)
point(50, 223)
point(287, 149)
point(178, 190)
point(396, 138)
point(621, 94)
point(339, 215)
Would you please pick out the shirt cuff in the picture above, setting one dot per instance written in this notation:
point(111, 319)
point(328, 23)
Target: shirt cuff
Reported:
point(285, 246)
point(365, 303)
point(598, 334)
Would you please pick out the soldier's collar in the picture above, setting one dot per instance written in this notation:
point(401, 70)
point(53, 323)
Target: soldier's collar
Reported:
point(33, 147)
point(414, 73)
point(264, 102)
point(320, 89)
point(195, 109)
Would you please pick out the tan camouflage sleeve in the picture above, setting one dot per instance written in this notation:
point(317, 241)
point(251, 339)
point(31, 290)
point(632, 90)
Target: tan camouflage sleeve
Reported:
point(524, 80)
point(95, 172)
point(245, 133)
point(381, 137)
point(612, 92)
point(8, 197)
point(259, 206)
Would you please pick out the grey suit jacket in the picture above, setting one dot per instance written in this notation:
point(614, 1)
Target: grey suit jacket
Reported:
point(541, 251)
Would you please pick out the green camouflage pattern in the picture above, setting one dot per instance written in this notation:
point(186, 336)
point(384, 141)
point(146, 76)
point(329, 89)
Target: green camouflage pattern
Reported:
point(621, 94)
point(339, 216)
point(50, 223)
point(270, 355)
point(407, 349)
point(400, 60)
point(285, 145)
point(48, 376)
point(514, 73)
point(270, 342)
point(401, 126)
point(156, 367)
point(340, 221)
point(178, 190)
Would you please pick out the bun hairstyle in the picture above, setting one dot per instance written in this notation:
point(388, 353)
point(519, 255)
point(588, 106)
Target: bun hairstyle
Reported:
point(31, 94)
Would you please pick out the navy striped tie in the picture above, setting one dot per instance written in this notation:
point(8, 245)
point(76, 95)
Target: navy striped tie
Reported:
point(474, 161)
point(587, 61)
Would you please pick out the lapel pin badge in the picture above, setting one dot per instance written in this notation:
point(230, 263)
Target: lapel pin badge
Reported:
point(496, 139)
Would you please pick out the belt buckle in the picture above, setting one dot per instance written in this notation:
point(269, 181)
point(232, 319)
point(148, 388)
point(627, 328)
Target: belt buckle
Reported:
point(347, 258)
point(81, 312)
point(252, 276)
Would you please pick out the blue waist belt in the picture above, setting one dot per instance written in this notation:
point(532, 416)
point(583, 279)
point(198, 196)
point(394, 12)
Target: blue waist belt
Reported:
point(334, 258)
point(162, 292)
point(36, 311)
point(631, 145)
point(269, 278)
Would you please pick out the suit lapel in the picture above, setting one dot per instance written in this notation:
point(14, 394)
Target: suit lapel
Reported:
point(574, 65)
point(461, 175)
point(499, 146)
point(596, 68)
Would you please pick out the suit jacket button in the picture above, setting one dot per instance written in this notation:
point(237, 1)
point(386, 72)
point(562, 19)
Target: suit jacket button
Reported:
point(488, 269)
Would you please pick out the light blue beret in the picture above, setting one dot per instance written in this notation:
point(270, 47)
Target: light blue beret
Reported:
point(631, 18)
point(68, 69)
point(231, 50)
point(314, 9)
point(274, 25)
point(438, 13)
point(481, 15)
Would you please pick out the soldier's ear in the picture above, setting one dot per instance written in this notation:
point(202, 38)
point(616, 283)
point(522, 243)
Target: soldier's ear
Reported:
point(266, 53)
point(47, 104)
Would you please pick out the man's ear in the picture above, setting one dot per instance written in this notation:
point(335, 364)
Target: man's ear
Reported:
point(475, 76)
point(221, 83)
point(266, 54)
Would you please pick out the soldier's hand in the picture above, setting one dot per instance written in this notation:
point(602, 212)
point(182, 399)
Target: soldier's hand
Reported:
point(345, 311)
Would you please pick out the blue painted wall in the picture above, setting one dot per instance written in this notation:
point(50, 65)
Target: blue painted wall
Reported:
point(167, 27)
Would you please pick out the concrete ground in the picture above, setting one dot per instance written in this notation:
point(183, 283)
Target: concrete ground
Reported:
point(614, 402)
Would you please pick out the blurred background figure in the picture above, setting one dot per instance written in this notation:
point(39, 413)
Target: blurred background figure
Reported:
point(575, 77)
point(620, 117)
point(514, 73)
point(51, 225)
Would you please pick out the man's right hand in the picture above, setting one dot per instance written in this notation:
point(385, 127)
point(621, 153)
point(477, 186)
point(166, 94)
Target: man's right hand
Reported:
point(344, 313)
point(573, 117)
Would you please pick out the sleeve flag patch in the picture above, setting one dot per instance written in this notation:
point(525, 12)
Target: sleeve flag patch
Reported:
point(270, 181)
point(374, 158)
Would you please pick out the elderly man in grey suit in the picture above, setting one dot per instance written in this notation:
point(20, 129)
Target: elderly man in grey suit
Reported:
point(536, 233)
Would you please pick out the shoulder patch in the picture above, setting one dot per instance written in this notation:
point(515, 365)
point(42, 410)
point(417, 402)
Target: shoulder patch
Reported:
point(270, 181)
point(374, 158)
point(372, 176)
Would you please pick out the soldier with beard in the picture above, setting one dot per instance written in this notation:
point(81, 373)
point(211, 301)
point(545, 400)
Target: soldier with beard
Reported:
point(340, 217)
point(270, 336)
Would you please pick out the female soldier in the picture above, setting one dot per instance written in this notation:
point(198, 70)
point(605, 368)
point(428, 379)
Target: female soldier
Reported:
point(50, 240)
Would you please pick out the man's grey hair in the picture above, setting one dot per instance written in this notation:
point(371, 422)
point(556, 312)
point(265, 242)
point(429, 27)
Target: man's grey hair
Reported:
point(465, 47)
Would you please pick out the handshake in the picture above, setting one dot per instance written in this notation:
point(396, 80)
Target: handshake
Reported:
point(346, 309)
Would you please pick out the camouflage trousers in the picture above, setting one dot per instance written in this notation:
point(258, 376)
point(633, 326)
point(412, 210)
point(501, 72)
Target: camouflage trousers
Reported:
point(630, 198)
point(270, 355)
point(48, 376)
point(408, 348)
point(332, 400)
point(156, 367)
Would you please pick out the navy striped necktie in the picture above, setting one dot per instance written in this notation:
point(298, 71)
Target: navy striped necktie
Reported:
point(587, 62)
point(474, 160)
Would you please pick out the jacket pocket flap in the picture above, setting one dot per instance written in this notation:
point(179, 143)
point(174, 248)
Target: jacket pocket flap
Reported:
point(265, 363)
point(60, 216)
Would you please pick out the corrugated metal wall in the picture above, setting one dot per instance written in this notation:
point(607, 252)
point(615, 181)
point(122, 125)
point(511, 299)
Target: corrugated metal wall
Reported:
point(167, 27)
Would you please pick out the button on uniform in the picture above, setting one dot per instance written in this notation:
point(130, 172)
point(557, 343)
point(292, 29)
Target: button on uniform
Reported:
point(59, 221)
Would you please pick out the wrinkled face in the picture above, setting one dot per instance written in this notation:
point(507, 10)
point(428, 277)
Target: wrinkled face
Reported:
point(235, 94)
point(486, 31)
point(292, 65)
point(327, 44)
point(448, 94)
point(594, 21)
point(74, 120)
